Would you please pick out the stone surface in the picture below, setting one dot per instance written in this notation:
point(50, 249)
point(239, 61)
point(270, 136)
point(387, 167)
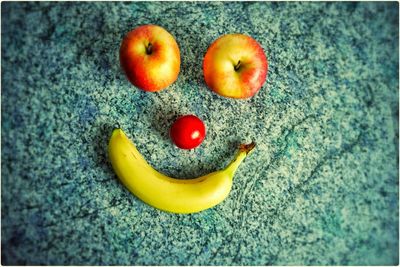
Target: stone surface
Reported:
point(321, 187)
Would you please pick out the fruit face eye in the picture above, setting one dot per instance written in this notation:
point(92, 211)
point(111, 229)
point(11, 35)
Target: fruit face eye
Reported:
point(235, 66)
point(150, 58)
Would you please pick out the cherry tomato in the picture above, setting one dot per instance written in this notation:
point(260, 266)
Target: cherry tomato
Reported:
point(188, 132)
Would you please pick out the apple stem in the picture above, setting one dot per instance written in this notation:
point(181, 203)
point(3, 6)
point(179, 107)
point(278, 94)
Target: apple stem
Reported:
point(237, 66)
point(149, 49)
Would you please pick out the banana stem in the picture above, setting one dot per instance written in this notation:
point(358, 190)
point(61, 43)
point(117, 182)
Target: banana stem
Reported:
point(244, 150)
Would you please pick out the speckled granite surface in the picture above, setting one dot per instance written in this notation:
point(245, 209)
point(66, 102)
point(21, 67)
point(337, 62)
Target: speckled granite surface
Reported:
point(321, 187)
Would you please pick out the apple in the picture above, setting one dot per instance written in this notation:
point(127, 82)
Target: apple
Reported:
point(150, 58)
point(235, 66)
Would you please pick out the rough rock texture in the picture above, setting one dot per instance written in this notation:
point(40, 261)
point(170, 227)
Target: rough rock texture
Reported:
point(321, 187)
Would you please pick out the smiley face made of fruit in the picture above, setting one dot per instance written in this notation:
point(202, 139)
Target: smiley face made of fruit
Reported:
point(234, 66)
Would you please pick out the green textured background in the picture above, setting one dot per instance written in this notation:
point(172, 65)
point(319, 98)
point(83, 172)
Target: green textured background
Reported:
point(321, 187)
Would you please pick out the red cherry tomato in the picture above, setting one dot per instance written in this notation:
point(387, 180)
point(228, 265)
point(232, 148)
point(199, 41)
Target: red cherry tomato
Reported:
point(188, 132)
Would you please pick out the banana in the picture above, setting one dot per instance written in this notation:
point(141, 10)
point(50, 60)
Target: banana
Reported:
point(166, 193)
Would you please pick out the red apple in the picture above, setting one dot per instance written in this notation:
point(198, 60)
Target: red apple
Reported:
point(150, 58)
point(235, 66)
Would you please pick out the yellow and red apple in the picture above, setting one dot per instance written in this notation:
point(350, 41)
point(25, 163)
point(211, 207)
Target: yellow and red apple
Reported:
point(235, 66)
point(150, 58)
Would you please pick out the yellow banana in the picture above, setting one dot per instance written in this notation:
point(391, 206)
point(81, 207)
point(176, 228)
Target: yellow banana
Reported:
point(166, 193)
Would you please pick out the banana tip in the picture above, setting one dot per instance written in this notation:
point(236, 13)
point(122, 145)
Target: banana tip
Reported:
point(116, 131)
point(117, 126)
